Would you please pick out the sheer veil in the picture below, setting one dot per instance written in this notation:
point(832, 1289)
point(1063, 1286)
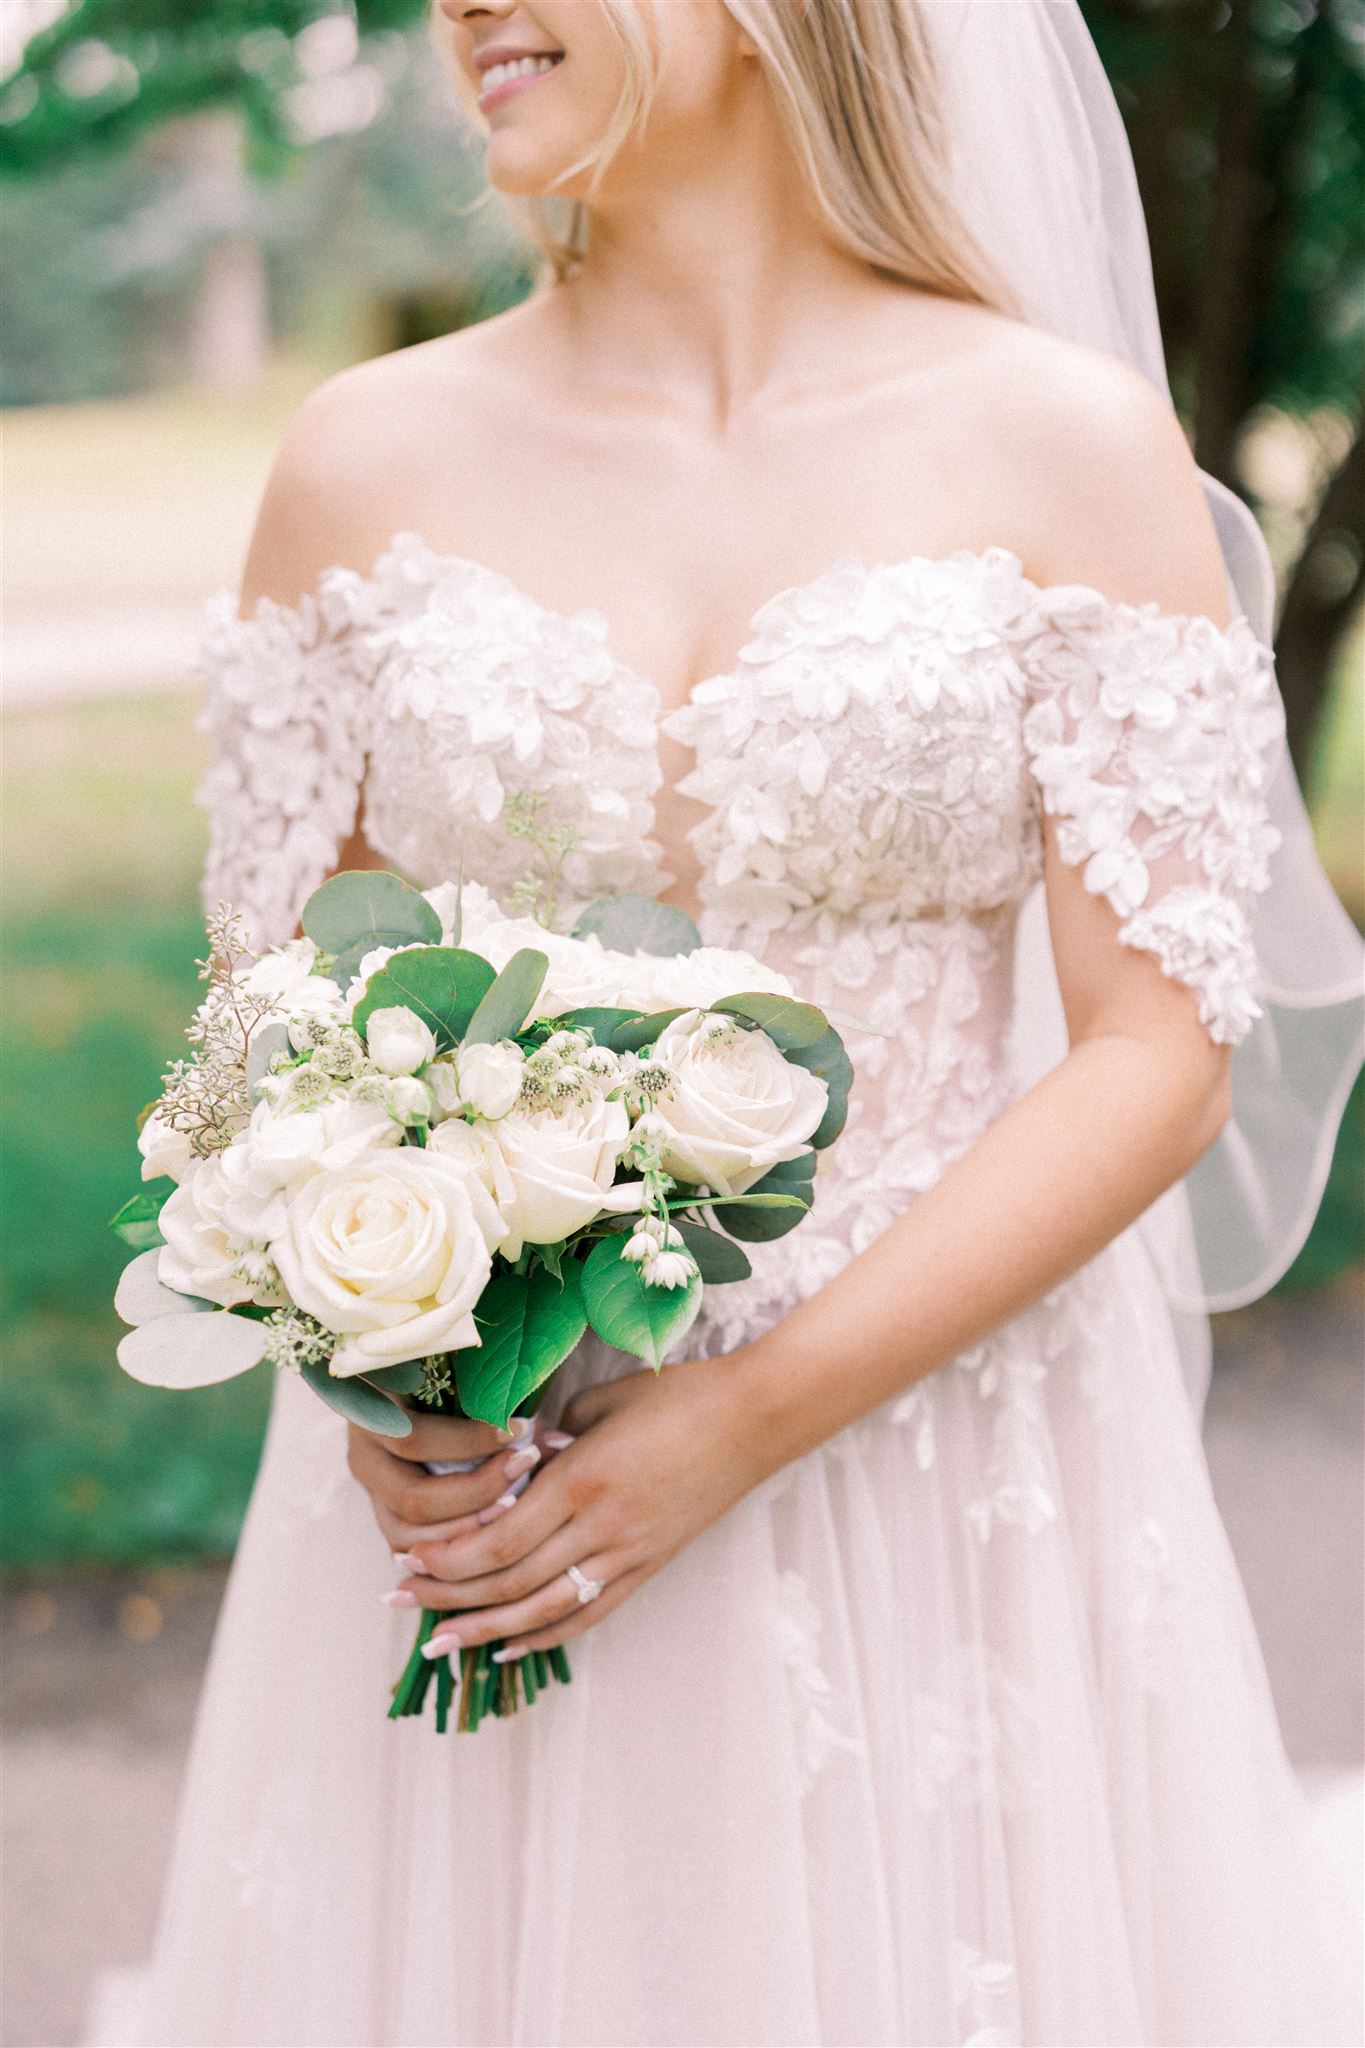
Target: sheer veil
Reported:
point(1043, 175)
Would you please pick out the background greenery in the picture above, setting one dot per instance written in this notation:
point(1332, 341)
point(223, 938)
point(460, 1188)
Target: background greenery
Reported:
point(148, 142)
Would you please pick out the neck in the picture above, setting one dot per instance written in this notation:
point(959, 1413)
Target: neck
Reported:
point(704, 279)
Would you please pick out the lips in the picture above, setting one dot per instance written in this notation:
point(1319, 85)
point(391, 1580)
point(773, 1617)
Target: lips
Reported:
point(504, 69)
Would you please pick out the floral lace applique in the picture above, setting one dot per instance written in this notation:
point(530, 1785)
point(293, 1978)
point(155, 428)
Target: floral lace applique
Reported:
point(797, 1620)
point(985, 1991)
point(1156, 1601)
point(974, 1733)
point(1153, 739)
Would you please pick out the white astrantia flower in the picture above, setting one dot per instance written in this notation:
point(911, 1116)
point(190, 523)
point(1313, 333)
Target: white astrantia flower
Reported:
point(398, 1040)
point(488, 1077)
point(733, 1107)
point(562, 1162)
point(392, 1253)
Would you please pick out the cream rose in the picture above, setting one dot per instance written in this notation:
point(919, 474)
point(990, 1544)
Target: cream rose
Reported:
point(392, 1253)
point(473, 1150)
point(163, 1150)
point(733, 1107)
point(202, 1250)
point(284, 978)
point(678, 980)
point(280, 1148)
point(489, 1077)
point(398, 1040)
point(562, 1163)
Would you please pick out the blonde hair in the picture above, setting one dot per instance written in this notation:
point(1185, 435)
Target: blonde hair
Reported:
point(855, 87)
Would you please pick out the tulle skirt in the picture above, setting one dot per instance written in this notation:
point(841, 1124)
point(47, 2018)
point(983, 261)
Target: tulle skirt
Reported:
point(955, 1731)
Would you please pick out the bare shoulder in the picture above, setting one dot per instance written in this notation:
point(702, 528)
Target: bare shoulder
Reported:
point(367, 447)
point(1105, 480)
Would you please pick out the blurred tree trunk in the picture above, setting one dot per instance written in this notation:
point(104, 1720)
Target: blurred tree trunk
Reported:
point(1325, 587)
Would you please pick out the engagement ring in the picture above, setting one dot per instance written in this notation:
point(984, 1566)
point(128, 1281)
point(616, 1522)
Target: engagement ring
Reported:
point(586, 1588)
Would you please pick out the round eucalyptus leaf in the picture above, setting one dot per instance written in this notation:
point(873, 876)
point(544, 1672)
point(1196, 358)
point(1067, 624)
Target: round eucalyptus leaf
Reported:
point(141, 1298)
point(266, 1041)
point(719, 1259)
point(788, 1023)
point(639, 924)
point(192, 1350)
point(443, 985)
point(369, 907)
point(359, 1402)
point(828, 1059)
point(511, 999)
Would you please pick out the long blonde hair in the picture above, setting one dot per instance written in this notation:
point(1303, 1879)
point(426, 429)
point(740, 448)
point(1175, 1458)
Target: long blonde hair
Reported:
point(855, 88)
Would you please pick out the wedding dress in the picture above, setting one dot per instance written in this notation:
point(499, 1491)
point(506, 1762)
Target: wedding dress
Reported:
point(954, 1731)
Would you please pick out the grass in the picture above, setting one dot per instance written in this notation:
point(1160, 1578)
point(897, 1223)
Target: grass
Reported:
point(101, 935)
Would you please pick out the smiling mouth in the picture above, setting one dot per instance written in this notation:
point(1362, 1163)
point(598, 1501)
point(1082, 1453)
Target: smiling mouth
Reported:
point(516, 72)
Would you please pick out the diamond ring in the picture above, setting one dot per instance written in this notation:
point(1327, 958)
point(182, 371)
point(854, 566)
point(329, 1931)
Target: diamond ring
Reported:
point(587, 1589)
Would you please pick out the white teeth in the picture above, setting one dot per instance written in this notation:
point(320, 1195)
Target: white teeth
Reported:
point(516, 67)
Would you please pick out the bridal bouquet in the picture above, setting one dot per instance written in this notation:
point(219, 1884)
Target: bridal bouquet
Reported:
point(416, 1154)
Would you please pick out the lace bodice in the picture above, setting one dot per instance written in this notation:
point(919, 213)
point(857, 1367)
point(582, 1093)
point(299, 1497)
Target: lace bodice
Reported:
point(874, 773)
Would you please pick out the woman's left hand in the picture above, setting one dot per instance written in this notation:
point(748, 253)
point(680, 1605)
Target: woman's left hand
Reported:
point(656, 1459)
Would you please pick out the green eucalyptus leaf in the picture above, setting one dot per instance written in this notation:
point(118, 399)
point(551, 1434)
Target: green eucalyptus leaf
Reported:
point(443, 985)
point(625, 1311)
point(642, 1031)
point(368, 907)
point(511, 999)
point(828, 1059)
point(266, 1041)
point(358, 1401)
point(766, 1211)
point(788, 1023)
point(406, 1378)
point(639, 924)
point(719, 1259)
point(192, 1350)
point(137, 1221)
point(529, 1323)
point(601, 1022)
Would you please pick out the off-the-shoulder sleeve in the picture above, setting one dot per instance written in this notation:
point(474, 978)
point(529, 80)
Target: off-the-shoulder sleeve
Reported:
point(286, 714)
point(1152, 740)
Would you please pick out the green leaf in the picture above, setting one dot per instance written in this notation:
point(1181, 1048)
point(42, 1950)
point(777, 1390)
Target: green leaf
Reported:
point(510, 1000)
point(529, 1323)
point(718, 1258)
point(639, 924)
point(765, 1212)
point(552, 1256)
point(642, 1031)
point(788, 1023)
point(359, 1402)
point(266, 1041)
point(191, 1350)
point(136, 1222)
point(624, 1311)
point(442, 984)
point(406, 1378)
point(756, 1201)
point(600, 1022)
point(363, 908)
point(828, 1059)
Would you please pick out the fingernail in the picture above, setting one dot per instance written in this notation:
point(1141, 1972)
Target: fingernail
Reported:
point(505, 1654)
point(437, 1646)
point(522, 1461)
point(500, 1506)
point(521, 1426)
point(409, 1561)
point(399, 1598)
point(557, 1439)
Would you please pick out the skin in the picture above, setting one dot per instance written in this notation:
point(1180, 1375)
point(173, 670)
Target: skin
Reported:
point(717, 358)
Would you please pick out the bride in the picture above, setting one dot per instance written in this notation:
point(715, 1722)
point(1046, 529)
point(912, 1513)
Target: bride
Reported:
point(817, 550)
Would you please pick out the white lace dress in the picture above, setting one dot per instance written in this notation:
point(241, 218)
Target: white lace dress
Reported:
point(956, 1730)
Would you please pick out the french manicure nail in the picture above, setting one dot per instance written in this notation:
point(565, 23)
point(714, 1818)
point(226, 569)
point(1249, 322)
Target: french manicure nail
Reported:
point(521, 1461)
point(409, 1561)
point(557, 1439)
point(438, 1646)
point(400, 1597)
point(505, 1654)
point(500, 1506)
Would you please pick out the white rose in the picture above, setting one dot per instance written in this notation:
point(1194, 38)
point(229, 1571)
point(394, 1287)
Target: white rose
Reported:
point(562, 1164)
point(733, 1106)
point(163, 1150)
point(473, 1149)
point(371, 963)
point(478, 907)
point(489, 1077)
point(202, 1249)
point(284, 978)
point(280, 1148)
point(392, 1253)
point(409, 1100)
point(684, 980)
point(398, 1040)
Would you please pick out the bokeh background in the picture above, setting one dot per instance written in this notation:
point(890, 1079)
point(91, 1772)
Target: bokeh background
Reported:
point(207, 206)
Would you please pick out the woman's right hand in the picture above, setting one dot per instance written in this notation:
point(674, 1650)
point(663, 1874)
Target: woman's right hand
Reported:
point(415, 1506)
